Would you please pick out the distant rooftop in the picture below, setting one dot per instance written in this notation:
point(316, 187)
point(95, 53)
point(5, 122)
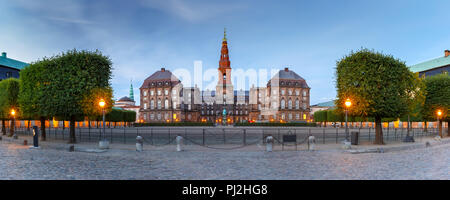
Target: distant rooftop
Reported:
point(431, 64)
point(11, 63)
point(325, 104)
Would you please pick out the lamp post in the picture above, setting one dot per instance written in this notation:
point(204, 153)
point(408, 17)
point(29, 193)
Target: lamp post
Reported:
point(439, 114)
point(348, 103)
point(13, 125)
point(103, 143)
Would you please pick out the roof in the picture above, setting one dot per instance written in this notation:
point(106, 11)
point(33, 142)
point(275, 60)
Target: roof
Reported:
point(161, 75)
point(431, 64)
point(326, 104)
point(126, 99)
point(287, 74)
point(8, 62)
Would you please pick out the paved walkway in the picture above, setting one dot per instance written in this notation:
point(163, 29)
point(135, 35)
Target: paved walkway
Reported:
point(54, 161)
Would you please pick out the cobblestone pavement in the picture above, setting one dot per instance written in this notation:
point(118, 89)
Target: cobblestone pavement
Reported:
point(55, 162)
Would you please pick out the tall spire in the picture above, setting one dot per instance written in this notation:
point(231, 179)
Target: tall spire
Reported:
point(224, 34)
point(131, 90)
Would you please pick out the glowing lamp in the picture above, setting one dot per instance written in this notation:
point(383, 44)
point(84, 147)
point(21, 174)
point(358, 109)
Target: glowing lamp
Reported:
point(348, 103)
point(439, 113)
point(13, 112)
point(102, 103)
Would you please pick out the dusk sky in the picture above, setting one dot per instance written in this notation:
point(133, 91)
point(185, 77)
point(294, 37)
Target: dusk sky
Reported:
point(142, 36)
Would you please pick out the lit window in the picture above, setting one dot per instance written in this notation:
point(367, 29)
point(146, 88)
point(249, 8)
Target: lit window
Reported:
point(152, 92)
point(166, 92)
point(159, 92)
point(283, 104)
point(145, 93)
point(282, 92)
point(166, 104)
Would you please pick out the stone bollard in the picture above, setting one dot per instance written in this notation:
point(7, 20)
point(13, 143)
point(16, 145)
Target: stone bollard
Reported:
point(311, 142)
point(139, 143)
point(437, 138)
point(179, 143)
point(269, 143)
point(427, 144)
point(346, 145)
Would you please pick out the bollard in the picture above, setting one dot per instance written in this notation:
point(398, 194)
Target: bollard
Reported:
point(269, 143)
point(311, 142)
point(346, 145)
point(0, 137)
point(179, 143)
point(139, 143)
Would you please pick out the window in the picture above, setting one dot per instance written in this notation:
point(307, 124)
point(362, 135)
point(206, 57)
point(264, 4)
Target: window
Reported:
point(8, 74)
point(166, 116)
point(304, 93)
point(145, 93)
point(159, 104)
point(189, 106)
point(282, 92)
point(274, 105)
point(152, 116)
point(290, 92)
point(174, 92)
point(283, 104)
point(297, 104)
point(290, 116)
point(174, 105)
point(166, 104)
point(145, 117)
point(159, 116)
point(297, 116)
point(259, 106)
point(290, 104)
point(304, 106)
point(282, 116)
point(166, 92)
point(274, 92)
point(152, 104)
point(189, 116)
point(145, 106)
point(152, 92)
point(159, 92)
point(297, 92)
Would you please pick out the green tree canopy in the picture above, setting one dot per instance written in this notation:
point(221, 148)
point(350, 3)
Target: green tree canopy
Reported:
point(437, 97)
point(9, 92)
point(377, 85)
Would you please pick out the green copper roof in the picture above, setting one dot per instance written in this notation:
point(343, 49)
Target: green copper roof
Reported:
point(8, 62)
point(131, 92)
point(434, 63)
point(326, 104)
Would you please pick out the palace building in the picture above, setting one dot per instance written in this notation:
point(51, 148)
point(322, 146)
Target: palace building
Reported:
point(284, 99)
point(10, 68)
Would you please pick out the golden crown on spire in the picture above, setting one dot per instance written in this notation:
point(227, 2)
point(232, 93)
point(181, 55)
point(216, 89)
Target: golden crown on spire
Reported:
point(224, 34)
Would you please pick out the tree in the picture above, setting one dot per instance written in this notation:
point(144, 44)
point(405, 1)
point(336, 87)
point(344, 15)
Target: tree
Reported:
point(9, 91)
point(437, 97)
point(416, 99)
point(376, 84)
point(31, 93)
point(70, 77)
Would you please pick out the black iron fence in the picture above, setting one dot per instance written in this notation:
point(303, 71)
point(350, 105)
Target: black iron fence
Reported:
point(207, 136)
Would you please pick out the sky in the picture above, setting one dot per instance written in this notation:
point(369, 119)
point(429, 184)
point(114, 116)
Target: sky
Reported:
point(142, 36)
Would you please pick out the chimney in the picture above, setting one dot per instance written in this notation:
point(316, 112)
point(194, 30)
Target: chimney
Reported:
point(447, 53)
point(4, 54)
point(286, 69)
point(163, 69)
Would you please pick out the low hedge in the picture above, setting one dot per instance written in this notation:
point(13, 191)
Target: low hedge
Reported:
point(276, 124)
point(174, 124)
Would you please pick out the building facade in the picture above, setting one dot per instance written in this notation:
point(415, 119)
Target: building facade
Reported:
point(128, 103)
point(432, 67)
point(284, 99)
point(10, 68)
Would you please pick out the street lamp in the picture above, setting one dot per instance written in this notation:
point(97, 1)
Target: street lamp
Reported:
point(348, 103)
point(103, 142)
point(439, 114)
point(13, 113)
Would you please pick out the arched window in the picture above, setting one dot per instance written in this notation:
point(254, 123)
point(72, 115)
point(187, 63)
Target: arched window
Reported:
point(152, 104)
point(290, 104)
point(159, 103)
point(297, 104)
point(283, 104)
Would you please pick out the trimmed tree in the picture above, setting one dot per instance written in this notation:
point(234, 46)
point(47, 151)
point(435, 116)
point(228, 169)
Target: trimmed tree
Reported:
point(9, 92)
point(377, 85)
point(437, 98)
point(31, 92)
point(71, 77)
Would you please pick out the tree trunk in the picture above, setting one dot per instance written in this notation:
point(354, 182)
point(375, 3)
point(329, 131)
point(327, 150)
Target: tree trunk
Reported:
point(43, 134)
point(11, 128)
point(407, 132)
point(72, 139)
point(378, 131)
point(426, 127)
point(440, 128)
point(28, 124)
point(3, 127)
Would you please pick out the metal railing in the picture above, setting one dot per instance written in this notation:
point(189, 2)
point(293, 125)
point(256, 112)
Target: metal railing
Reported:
point(207, 136)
